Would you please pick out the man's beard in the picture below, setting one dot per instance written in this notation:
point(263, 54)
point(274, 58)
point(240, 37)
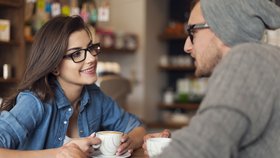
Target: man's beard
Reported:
point(206, 69)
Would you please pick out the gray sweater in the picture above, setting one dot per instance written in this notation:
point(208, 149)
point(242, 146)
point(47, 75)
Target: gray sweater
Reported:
point(240, 114)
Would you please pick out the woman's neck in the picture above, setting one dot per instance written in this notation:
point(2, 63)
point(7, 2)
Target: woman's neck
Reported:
point(72, 92)
point(73, 95)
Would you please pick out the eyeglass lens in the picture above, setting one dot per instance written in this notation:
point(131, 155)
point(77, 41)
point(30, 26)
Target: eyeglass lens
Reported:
point(190, 32)
point(191, 28)
point(80, 55)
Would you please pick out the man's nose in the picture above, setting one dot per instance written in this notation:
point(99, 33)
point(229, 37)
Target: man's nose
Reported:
point(188, 45)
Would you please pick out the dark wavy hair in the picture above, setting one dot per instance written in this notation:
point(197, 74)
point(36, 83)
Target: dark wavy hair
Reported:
point(47, 51)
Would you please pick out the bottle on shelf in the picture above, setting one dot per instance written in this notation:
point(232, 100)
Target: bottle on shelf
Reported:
point(5, 26)
point(168, 97)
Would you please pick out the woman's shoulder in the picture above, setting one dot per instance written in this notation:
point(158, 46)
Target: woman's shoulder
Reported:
point(29, 95)
point(27, 112)
point(29, 100)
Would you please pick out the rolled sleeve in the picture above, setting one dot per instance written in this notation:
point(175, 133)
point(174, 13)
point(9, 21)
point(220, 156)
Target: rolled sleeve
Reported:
point(19, 122)
point(12, 132)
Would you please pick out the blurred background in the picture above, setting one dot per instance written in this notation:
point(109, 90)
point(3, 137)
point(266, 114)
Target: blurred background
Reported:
point(143, 65)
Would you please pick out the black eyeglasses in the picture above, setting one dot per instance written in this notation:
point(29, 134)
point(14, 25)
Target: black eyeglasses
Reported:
point(190, 29)
point(81, 54)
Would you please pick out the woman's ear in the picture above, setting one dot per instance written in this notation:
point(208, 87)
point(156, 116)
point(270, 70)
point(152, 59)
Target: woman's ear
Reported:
point(55, 72)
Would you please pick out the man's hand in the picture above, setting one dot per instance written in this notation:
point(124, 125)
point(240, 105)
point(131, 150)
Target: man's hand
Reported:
point(165, 133)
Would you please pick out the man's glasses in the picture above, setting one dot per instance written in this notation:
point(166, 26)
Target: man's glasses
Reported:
point(81, 54)
point(190, 29)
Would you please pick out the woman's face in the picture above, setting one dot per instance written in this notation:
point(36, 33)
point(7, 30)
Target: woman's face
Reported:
point(81, 73)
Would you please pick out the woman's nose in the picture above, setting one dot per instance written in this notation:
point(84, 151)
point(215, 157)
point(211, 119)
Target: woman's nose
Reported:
point(91, 57)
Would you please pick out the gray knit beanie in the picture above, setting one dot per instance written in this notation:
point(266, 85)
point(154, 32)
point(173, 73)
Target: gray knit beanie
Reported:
point(240, 21)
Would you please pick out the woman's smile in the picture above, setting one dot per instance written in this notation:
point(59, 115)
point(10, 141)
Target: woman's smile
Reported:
point(90, 70)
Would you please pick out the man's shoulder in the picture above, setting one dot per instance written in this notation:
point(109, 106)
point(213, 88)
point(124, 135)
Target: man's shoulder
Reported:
point(252, 52)
point(255, 48)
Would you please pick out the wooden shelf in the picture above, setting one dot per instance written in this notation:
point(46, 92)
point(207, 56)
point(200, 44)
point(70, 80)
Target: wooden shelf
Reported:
point(172, 37)
point(9, 43)
point(171, 124)
point(187, 106)
point(10, 80)
point(177, 68)
point(11, 3)
point(29, 40)
point(13, 51)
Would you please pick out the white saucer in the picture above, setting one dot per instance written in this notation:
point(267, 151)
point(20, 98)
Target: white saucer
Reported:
point(98, 154)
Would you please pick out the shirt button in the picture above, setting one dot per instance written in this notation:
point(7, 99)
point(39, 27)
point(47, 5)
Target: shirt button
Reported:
point(81, 131)
point(60, 139)
point(69, 109)
point(65, 122)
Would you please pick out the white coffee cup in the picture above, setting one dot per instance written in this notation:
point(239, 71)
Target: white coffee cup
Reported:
point(156, 145)
point(110, 141)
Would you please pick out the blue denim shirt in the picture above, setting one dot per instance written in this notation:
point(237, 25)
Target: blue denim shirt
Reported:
point(33, 125)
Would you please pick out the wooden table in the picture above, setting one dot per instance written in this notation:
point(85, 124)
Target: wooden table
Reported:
point(139, 153)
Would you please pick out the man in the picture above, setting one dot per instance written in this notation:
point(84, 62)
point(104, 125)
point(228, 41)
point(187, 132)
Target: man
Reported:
point(240, 114)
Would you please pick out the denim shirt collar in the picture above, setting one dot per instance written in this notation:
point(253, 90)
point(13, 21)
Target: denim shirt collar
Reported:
point(62, 101)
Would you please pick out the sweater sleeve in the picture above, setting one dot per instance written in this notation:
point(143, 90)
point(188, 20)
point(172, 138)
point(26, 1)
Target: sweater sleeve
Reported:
point(235, 110)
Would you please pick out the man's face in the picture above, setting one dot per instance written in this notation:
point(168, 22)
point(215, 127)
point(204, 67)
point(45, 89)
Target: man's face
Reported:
point(204, 47)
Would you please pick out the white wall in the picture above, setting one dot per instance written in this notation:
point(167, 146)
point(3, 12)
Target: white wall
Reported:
point(156, 21)
point(146, 18)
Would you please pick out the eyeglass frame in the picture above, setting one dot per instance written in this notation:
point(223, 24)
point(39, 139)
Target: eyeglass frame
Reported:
point(96, 48)
point(190, 29)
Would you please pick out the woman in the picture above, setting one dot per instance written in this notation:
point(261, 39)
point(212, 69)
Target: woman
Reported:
point(57, 105)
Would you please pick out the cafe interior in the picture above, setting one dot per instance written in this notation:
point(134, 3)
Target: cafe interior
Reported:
point(142, 66)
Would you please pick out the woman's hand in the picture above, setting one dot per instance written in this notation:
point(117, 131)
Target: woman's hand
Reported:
point(125, 145)
point(70, 151)
point(85, 144)
point(165, 133)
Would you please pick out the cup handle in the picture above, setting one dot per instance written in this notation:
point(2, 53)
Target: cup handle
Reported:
point(96, 146)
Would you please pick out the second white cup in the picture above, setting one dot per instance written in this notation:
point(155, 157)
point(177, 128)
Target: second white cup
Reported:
point(156, 145)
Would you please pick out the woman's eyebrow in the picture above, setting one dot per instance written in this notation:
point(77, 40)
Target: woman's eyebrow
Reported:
point(77, 48)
